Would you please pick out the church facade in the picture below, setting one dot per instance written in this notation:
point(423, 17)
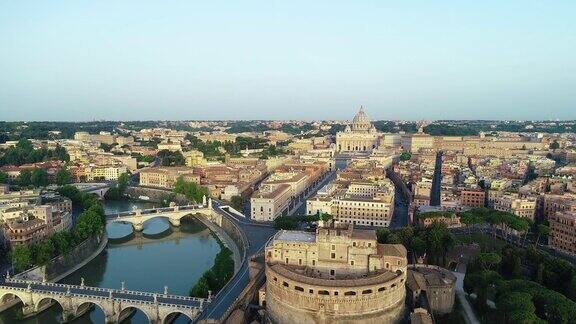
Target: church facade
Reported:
point(359, 137)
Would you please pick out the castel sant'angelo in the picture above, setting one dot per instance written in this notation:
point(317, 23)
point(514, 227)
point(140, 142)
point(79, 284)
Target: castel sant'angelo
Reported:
point(337, 275)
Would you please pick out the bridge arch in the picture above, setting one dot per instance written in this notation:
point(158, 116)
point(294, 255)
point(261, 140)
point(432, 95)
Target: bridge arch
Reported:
point(170, 317)
point(85, 307)
point(125, 313)
point(45, 302)
point(8, 296)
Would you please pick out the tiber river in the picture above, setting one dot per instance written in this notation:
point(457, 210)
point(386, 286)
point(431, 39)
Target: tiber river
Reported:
point(159, 256)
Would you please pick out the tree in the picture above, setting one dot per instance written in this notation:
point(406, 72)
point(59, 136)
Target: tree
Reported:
point(170, 158)
point(489, 260)
point(21, 257)
point(63, 177)
point(237, 202)
point(405, 156)
point(191, 190)
point(517, 307)
point(24, 178)
point(542, 230)
point(285, 223)
point(554, 145)
point(3, 177)
point(39, 177)
point(45, 252)
point(200, 289)
point(439, 241)
point(418, 246)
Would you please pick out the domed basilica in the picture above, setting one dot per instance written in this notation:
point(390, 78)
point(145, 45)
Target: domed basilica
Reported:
point(360, 136)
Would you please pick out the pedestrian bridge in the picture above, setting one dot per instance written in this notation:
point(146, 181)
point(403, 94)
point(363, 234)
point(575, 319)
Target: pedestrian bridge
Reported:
point(174, 214)
point(117, 304)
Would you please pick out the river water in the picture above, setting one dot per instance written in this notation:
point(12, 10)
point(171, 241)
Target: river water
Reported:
point(159, 256)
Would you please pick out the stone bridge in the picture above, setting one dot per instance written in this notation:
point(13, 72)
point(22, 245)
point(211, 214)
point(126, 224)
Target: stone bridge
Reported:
point(117, 304)
point(98, 188)
point(174, 214)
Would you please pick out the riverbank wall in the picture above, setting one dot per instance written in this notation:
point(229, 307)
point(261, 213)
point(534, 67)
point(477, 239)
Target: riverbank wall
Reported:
point(64, 265)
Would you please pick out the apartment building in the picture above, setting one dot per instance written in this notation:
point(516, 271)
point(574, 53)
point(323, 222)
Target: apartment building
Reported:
point(284, 188)
point(520, 206)
point(165, 177)
point(358, 202)
point(563, 231)
point(472, 197)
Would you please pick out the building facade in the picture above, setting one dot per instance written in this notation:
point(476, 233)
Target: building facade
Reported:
point(359, 137)
point(563, 232)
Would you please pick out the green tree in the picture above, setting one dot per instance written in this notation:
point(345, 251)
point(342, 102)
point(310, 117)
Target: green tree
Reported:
point(21, 257)
point(63, 177)
point(45, 252)
point(200, 289)
point(517, 307)
point(489, 260)
point(543, 231)
point(405, 156)
point(39, 177)
point(24, 178)
point(191, 190)
point(554, 145)
point(3, 177)
point(237, 203)
point(285, 223)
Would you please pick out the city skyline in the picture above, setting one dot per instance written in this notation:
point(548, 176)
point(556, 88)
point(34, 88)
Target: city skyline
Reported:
point(181, 60)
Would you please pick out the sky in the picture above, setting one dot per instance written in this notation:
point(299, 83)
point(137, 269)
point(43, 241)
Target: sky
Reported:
point(82, 60)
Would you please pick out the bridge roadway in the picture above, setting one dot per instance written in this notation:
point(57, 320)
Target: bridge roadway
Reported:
point(174, 214)
point(158, 307)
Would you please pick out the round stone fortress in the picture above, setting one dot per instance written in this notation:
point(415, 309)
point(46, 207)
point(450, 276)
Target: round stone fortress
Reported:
point(336, 275)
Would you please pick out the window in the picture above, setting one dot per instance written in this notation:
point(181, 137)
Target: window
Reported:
point(286, 260)
point(333, 247)
point(299, 261)
point(350, 293)
point(285, 284)
point(332, 272)
point(353, 243)
point(313, 262)
point(323, 292)
point(311, 291)
point(367, 291)
point(352, 262)
point(335, 293)
point(298, 288)
point(333, 255)
point(381, 288)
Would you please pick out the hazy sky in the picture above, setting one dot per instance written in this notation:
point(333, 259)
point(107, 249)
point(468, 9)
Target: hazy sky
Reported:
point(289, 59)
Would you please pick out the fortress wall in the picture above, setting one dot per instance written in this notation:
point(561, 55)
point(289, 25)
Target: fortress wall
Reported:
point(289, 301)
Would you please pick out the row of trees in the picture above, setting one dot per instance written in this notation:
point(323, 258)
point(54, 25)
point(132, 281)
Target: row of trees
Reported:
point(24, 153)
point(38, 178)
point(214, 279)
point(497, 219)
point(89, 223)
point(213, 148)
